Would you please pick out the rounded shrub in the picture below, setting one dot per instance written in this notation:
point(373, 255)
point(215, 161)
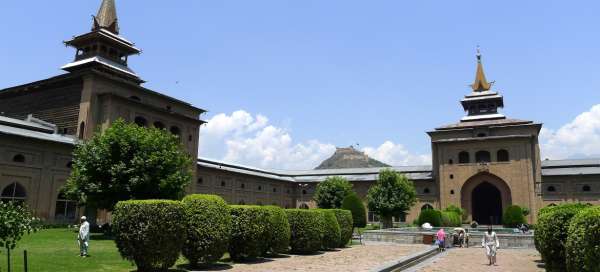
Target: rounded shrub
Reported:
point(583, 241)
point(450, 219)
point(249, 234)
point(344, 219)
point(331, 229)
point(513, 217)
point(306, 230)
point(552, 232)
point(354, 204)
point(208, 226)
point(148, 232)
point(278, 230)
point(433, 217)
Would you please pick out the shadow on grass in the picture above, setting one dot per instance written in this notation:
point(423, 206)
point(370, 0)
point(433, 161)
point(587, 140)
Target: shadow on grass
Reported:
point(100, 237)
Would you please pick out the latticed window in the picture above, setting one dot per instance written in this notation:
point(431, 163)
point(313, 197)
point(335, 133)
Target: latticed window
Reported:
point(482, 156)
point(13, 192)
point(140, 121)
point(66, 209)
point(503, 155)
point(463, 157)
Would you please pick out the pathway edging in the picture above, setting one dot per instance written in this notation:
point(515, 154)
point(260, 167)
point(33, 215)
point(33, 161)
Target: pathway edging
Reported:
point(408, 261)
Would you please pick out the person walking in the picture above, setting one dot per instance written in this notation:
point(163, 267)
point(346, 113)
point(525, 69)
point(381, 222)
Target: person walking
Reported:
point(83, 237)
point(491, 244)
point(441, 239)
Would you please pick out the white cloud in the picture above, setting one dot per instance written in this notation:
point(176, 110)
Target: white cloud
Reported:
point(396, 154)
point(243, 138)
point(246, 139)
point(578, 138)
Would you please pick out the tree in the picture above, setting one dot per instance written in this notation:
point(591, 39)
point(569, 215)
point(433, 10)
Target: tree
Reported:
point(127, 161)
point(359, 214)
point(392, 195)
point(15, 221)
point(331, 192)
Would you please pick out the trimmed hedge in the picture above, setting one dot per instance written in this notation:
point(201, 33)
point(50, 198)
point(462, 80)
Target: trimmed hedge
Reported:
point(583, 242)
point(307, 230)
point(331, 230)
point(552, 231)
point(355, 205)
point(433, 217)
point(148, 232)
point(513, 217)
point(536, 238)
point(249, 232)
point(208, 227)
point(344, 219)
point(451, 219)
point(278, 230)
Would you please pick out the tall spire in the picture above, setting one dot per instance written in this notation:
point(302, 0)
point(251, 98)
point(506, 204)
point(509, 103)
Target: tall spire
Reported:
point(480, 84)
point(107, 17)
point(102, 49)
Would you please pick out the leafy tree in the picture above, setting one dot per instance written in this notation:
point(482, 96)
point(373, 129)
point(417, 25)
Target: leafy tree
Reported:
point(127, 161)
point(331, 192)
point(455, 209)
point(391, 195)
point(15, 221)
point(513, 217)
point(359, 214)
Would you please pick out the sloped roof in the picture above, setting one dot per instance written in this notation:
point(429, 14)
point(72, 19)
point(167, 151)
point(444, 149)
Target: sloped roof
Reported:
point(489, 122)
point(34, 129)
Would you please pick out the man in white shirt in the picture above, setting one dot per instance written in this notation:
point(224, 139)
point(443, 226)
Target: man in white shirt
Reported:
point(84, 237)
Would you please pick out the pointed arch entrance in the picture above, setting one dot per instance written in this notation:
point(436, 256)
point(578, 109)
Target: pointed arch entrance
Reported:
point(485, 197)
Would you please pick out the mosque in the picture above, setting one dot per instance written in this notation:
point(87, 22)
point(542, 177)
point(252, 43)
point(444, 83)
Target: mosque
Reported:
point(483, 163)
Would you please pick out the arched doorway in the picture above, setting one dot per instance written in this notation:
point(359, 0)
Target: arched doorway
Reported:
point(486, 204)
point(484, 197)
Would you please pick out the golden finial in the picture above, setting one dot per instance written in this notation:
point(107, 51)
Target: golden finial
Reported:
point(480, 84)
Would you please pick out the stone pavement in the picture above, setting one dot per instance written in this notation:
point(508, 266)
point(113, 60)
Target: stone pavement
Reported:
point(357, 258)
point(473, 260)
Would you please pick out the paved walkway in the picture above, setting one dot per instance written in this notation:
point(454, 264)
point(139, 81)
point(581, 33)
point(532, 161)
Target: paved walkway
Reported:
point(357, 258)
point(474, 259)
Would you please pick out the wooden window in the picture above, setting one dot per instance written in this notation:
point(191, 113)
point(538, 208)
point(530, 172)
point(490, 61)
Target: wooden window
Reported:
point(503, 155)
point(140, 121)
point(20, 158)
point(482, 156)
point(464, 157)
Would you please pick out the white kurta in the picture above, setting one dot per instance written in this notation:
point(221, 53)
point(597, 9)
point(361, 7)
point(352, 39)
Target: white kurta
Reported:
point(490, 243)
point(84, 237)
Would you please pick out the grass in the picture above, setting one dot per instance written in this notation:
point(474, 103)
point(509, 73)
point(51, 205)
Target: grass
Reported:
point(54, 250)
point(57, 250)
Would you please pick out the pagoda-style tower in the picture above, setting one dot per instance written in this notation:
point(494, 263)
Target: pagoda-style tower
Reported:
point(102, 48)
point(482, 103)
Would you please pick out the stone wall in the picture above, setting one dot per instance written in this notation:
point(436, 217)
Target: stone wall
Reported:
point(405, 237)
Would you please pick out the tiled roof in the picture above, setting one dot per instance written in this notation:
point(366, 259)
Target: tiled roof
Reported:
point(352, 174)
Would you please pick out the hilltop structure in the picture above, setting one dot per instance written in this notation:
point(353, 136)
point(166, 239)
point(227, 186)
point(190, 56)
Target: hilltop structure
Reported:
point(348, 157)
point(483, 163)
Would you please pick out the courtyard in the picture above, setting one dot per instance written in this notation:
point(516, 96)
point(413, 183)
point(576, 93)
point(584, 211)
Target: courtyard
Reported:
point(56, 250)
point(459, 259)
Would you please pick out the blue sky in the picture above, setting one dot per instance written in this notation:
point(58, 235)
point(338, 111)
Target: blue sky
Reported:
point(335, 73)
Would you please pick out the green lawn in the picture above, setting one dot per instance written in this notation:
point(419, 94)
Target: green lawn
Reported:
point(57, 250)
